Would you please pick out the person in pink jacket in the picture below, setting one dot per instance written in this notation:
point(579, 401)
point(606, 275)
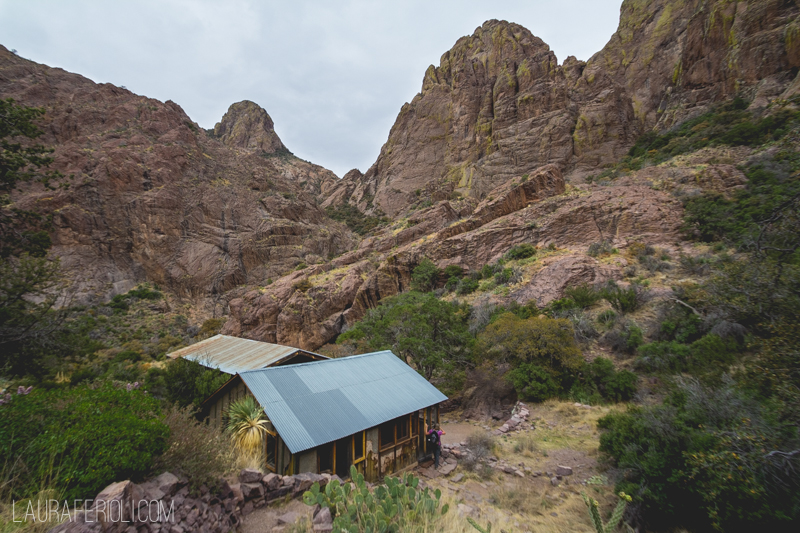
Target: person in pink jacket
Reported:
point(437, 448)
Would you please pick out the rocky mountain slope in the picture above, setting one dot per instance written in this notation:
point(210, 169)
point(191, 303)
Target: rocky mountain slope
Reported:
point(148, 195)
point(500, 105)
point(502, 146)
point(495, 150)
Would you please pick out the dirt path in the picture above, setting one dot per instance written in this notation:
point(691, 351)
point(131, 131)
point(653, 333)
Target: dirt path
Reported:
point(458, 431)
point(275, 517)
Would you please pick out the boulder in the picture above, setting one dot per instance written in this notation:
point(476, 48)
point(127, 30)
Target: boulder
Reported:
point(168, 483)
point(288, 518)
point(563, 470)
point(323, 521)
point(113, 504)
point(271, 481)
point(252, 491)
point(237, 492)
point(250, 475)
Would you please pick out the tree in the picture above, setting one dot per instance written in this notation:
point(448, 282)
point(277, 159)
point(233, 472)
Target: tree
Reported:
point(425, 276)
point(19, 160)
point(187, 382)
point(548, 342)
point(429, 333)
point(30, 285)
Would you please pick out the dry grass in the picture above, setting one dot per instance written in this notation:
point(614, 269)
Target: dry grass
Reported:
point(12, 514)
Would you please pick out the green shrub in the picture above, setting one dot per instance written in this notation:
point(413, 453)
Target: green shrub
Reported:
point(507, 275)
point(425, 276)
point(599, 381)
point(707, 357)
point(607, 317)
point(354, 219)
point(521, 251)
point(627, 337)
point(211, 327)
point(624, 300)
point(122, 302)
point(452, 284)
point(488, 271)
point(561, 306)
point(79, 440)
point(663, 356)
point(453, 271)
point(699, 461)
point(187, 382)
point(534, 383)
point(547, 342)
point(600, 248)
point(583, 295)
point(467, 286)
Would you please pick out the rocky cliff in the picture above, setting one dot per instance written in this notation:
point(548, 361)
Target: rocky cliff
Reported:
point(148, 195)
point(499, 105)
point(499, 141)
point(491, 153)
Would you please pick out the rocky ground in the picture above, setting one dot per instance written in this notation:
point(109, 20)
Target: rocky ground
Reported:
point(532, 478)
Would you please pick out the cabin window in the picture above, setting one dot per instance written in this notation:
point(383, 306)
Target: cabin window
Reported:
point(359, 446)
point(386, 431)
point(403, 428)
point(272, 451)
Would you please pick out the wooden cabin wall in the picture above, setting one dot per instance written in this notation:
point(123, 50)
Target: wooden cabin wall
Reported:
point(217, 411)
point(369, 466)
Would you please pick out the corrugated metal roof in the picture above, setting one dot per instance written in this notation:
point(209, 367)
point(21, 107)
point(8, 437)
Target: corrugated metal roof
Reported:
point(315, 403)
point(233, 355)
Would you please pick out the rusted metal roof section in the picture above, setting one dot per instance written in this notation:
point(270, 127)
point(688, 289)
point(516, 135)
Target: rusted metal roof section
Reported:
point(318, 402)
point(233, 355)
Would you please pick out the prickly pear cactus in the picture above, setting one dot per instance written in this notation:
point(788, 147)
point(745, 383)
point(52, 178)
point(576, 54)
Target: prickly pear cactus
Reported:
point(397, 505)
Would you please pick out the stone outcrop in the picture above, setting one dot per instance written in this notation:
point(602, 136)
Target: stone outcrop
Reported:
point(311, 307)
point(247, 126)
point(499, 105)
point(149, 196)
point(561, 272)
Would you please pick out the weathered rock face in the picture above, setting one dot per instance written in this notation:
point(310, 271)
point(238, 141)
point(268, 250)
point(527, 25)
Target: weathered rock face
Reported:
point(549, 283)
point(149, 196)
point(248, 126)
point(311, 307)
point(499, 105)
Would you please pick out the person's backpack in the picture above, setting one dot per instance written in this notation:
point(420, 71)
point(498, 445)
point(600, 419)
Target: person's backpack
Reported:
point(433, 438)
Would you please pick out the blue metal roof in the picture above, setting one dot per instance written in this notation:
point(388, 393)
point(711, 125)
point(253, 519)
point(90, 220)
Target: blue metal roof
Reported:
point(314, 403)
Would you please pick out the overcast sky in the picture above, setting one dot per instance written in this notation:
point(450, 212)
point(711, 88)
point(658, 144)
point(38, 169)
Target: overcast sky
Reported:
point(332, 74)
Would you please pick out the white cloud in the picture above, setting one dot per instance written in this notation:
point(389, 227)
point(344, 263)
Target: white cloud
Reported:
point(332, 75)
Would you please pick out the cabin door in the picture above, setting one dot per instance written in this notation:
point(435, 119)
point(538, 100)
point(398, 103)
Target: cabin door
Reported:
point(344, 457)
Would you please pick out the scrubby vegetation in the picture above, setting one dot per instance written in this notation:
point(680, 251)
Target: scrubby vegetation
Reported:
point(354, 219)
point(721, 450)
point(78, 440)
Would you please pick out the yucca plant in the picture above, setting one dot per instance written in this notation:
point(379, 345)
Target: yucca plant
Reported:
point(247, 426)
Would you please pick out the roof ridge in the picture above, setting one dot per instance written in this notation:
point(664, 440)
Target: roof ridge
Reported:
point(331, 360)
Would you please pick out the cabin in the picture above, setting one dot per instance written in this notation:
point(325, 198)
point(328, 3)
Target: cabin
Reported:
point(233, 354)
point(366, 410)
